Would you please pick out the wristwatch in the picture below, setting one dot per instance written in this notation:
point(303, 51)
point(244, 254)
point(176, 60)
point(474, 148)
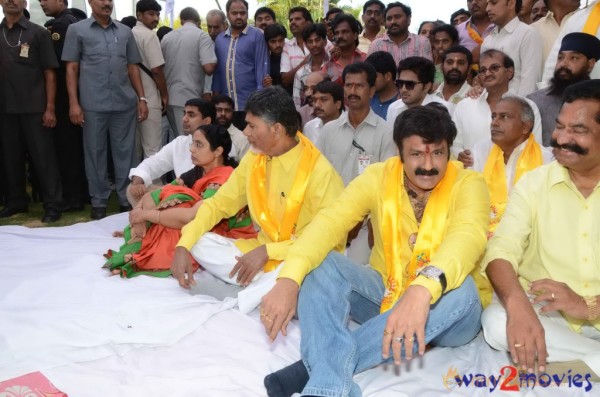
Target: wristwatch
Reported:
point(591, 303)
point(434, 273)
point(143, 98)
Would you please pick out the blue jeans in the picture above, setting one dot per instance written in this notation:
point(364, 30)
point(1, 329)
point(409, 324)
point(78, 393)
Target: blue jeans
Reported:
point(338, 290)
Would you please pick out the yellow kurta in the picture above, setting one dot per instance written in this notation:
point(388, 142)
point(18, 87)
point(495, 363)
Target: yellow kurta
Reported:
point(549, 230)
point(323, 188)
point(462, 246)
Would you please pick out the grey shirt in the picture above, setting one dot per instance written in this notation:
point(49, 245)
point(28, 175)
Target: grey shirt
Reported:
point(549, 104)
point(103, 55)
point(373, 135)
point(185, 51)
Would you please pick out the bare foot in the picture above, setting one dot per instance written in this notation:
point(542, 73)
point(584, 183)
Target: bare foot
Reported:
point(118, 233)
point(115, 272)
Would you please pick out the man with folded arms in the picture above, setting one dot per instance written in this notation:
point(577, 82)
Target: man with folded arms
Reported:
point(284, 180)
point(544, 258)
point(429, 220)
point(510, 153)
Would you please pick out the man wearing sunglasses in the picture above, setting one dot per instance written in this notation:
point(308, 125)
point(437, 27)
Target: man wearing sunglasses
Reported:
point(473, 116)
point(415, 79)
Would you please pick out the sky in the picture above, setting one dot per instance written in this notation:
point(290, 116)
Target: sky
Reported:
point(422, 9)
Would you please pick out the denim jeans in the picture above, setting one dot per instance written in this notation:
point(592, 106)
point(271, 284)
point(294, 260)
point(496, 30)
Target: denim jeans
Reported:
point(338, 290)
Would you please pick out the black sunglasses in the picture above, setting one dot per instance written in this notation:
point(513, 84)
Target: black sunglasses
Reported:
point(409, 84)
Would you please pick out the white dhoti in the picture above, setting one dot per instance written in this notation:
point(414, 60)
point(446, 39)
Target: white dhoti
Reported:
point(217, 255)
point(562, 343)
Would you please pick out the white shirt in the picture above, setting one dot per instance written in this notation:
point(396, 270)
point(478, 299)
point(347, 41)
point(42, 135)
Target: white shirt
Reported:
point(373, 135)
point(481, 152)
point(548, 30)
point(312, 129)
point(574, 24)
point(240, 144)
point(522, 43)
point(473, 118)
point(454, 98)
point(175, 156)
point(398, 107)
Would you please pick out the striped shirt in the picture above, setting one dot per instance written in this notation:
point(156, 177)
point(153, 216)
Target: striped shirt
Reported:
point(292, 55)
point(334, 69)
point(414, 45)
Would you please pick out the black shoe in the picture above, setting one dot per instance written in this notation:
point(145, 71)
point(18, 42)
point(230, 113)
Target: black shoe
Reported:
point(125, 208)
point(51, 215)
point(10, 211)
point(98, 213)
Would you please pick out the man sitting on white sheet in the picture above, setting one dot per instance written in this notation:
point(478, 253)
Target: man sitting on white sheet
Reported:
point(429, 220)
point(544, 258)
point(284, 180)
point(511, 152)
point(175, 156)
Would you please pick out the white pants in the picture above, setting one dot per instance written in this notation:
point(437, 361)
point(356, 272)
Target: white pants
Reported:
point(216, 254)
point(562, 343)
point(149, 139)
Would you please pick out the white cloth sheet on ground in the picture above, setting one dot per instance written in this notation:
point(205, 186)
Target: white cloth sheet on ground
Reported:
point(96, 335)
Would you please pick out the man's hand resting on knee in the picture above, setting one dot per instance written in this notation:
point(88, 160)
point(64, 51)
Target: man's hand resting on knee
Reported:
point(278, 307)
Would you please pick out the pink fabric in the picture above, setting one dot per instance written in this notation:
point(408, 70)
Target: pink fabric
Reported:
point(34, 384)
point(414, 45)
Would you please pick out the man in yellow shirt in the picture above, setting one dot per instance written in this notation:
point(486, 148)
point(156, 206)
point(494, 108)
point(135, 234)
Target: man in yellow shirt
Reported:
point(429, 219)
point(284, 180)
point(544, 259)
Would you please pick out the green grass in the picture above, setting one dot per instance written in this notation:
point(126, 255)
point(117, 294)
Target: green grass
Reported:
point(34, 217)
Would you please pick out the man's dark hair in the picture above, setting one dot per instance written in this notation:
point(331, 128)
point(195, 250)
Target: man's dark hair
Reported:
point(458, 49)
point(305, 14)
point(355, 26)
point(333, 89)
point(361, 67)
point(129, 21)
point(422, 67)
point(230, 2)
point(507, 61)
point(462, 11)
point(406, 9)
point(333, 10)
point(147, 5)
point(190, 14)
point(274, 105)
point(589, 89)
point(222, 98)
point(265, 10)
point(273, 31)
point(432, 124)
point(317, 28)
point(162, 31)
point(206, 108)
point(383, 62)
point(518, 6)
point(450, 30)
point(373, 2)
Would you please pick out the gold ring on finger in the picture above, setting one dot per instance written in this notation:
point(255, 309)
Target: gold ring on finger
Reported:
point(517, 345)
point(412, 339)
point(386, 332)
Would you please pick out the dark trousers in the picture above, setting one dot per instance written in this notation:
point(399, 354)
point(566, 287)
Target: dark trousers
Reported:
point(68, 139)
point(2, 175)
point(24, 132)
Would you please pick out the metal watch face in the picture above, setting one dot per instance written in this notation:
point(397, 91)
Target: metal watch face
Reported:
point(431, 272)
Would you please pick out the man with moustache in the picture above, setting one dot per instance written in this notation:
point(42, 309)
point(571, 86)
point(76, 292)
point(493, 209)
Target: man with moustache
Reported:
point(544, 259)
point(415, 79)
point(105, 106)
point(306, 112)
point(294, 52)
point(224, 107)
point(472, 116)
point(216, 22)
point(397, 40)
point(149, 133)
point(263, 17)
point(315, 40)
point(275, 36)
point(174, 156)
point(539, 10)
point(456, 64)
point(372, 17)
point(345, 31)
point(357, 139)
point(472, 32)
point(189, 57)
point(68, 136)
point(284, 180)
point(243, 59)
point(328, 105)
point(578, 55)
point(518, 40)
point(429, 221)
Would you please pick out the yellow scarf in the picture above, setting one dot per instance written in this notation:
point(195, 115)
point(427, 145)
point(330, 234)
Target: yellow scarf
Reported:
point(593, 21)
point(494, 173)
point(257, 190)
point(430, 234)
